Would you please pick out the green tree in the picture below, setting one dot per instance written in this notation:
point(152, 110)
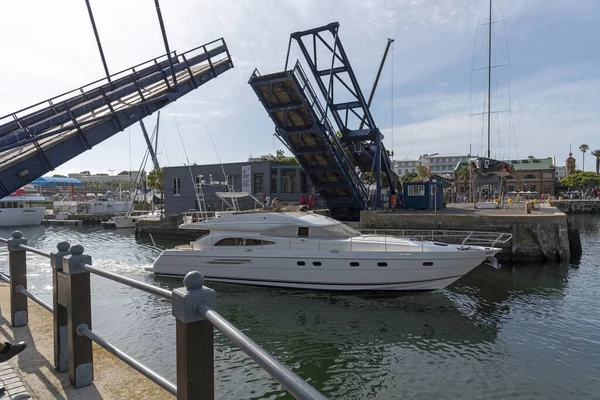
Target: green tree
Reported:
point(583, 148)
point(123, 173)
point(422, 171)
point(156, 179)
point(87, 173)
point(582, 180)
point(281, 157)
point(101, 174)
point(409, 177)
point(596, 153)
point(463, 174)
point(58, 176)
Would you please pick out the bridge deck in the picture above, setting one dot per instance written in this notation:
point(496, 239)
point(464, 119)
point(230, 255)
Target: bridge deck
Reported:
point(37, 142)
point(300, 122)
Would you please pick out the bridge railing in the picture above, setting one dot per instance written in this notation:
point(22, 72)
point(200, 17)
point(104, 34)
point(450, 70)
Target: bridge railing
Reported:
point(192, 306)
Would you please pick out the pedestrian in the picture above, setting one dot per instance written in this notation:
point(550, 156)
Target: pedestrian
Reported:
point(268, 200)
point(302, 199)
point(265, 205)
point(393, 200)
point(275, 203)
point(311, 201)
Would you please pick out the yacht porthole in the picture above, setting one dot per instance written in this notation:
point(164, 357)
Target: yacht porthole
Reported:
point(301, 263)
point(382, 264)
point(317, 263)
point(354, 264)
point(427, 264)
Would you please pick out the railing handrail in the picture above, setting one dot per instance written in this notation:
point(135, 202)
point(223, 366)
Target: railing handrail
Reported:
point(292, 382)
point(108, 79)
point(83, 330)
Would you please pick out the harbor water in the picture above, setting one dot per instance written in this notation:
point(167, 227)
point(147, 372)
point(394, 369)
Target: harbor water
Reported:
point(518, 332)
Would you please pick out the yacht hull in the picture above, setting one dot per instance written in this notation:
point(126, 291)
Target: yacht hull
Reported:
point(21, 216)
point(348, 271)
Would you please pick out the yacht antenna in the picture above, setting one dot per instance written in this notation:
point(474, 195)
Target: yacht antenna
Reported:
point(199, 199)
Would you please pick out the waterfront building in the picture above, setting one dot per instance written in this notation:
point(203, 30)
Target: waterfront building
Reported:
point(103, 179)
point(532, 174)
point(443, 163)
point(184, 184)
point(402, 167)
point(561, 172)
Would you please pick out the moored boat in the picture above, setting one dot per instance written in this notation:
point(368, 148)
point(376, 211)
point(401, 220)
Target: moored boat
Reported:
point(298, 249)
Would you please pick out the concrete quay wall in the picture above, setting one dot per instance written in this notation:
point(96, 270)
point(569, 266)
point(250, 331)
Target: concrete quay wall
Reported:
point(591, 206)
point(536, 237)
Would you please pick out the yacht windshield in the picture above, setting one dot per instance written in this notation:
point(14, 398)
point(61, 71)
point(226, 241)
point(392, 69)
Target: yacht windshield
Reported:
point(340, 230)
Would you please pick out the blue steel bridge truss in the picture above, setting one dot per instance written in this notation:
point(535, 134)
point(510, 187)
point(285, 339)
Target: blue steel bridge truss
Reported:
point(37, 139)
point(357, 144)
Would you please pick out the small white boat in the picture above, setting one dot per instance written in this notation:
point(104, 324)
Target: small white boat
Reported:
point(18, 209)
point(298, 249)
point(123, 221)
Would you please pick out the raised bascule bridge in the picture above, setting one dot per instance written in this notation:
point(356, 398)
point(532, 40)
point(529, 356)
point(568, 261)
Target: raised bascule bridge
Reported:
point(333, 159)
point(39, 138)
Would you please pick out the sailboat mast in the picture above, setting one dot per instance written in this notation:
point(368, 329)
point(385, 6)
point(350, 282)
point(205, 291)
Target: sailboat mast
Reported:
point(489, 83)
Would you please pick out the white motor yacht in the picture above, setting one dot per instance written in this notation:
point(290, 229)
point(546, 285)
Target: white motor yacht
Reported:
point(18, 209)
point(298, 249)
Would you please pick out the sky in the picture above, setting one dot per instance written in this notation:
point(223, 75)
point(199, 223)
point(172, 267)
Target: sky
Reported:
point(545, 95)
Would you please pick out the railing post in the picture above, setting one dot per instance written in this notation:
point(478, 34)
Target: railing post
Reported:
point(17, 261)
point(61, 341)
point(194, 339)
point(79, 311)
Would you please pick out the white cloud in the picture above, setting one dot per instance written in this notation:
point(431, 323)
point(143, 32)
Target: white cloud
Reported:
point(55, 51)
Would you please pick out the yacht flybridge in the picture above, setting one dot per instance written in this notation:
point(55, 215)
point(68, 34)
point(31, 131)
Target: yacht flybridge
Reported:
point(298, 249)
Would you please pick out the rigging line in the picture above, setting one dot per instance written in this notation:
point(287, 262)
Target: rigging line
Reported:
point(459, 39)
point(510, 116)
point(392, 102)
point(89, 7)
point(219, 158)
point(187, 160)
point(129, 134)
point(164, 35)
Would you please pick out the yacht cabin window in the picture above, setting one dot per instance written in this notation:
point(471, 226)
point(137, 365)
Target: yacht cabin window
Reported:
point(242, 242)
point(302, 231)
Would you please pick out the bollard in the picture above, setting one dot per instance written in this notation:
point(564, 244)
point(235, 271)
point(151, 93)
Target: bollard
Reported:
point(194, 339)
point(79, 311)
point(17, 260)
point(59, 302)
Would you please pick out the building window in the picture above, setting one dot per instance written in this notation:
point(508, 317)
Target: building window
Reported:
point(530, 177)
point(176, 185)
point(288, 181)
point(259, 183)
point(416, 190)
point(274, 187)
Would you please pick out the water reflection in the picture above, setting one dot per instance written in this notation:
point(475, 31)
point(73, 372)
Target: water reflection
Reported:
point(518, 332)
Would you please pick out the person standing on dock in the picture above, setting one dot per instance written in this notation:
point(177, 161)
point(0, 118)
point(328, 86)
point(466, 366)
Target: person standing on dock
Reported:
point(311, 202)
point(302, 199)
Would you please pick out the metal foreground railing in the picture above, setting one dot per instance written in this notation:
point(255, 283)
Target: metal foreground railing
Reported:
point(192, 306)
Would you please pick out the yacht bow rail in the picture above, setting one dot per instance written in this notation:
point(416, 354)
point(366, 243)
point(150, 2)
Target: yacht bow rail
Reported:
point(192, 306)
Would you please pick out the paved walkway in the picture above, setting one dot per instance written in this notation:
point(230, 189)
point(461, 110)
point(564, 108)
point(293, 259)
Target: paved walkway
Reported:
point(15, 389)
point(31, 373)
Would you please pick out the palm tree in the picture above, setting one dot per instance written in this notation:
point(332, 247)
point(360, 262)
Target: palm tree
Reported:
point(596, 153)
point(583, 148)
